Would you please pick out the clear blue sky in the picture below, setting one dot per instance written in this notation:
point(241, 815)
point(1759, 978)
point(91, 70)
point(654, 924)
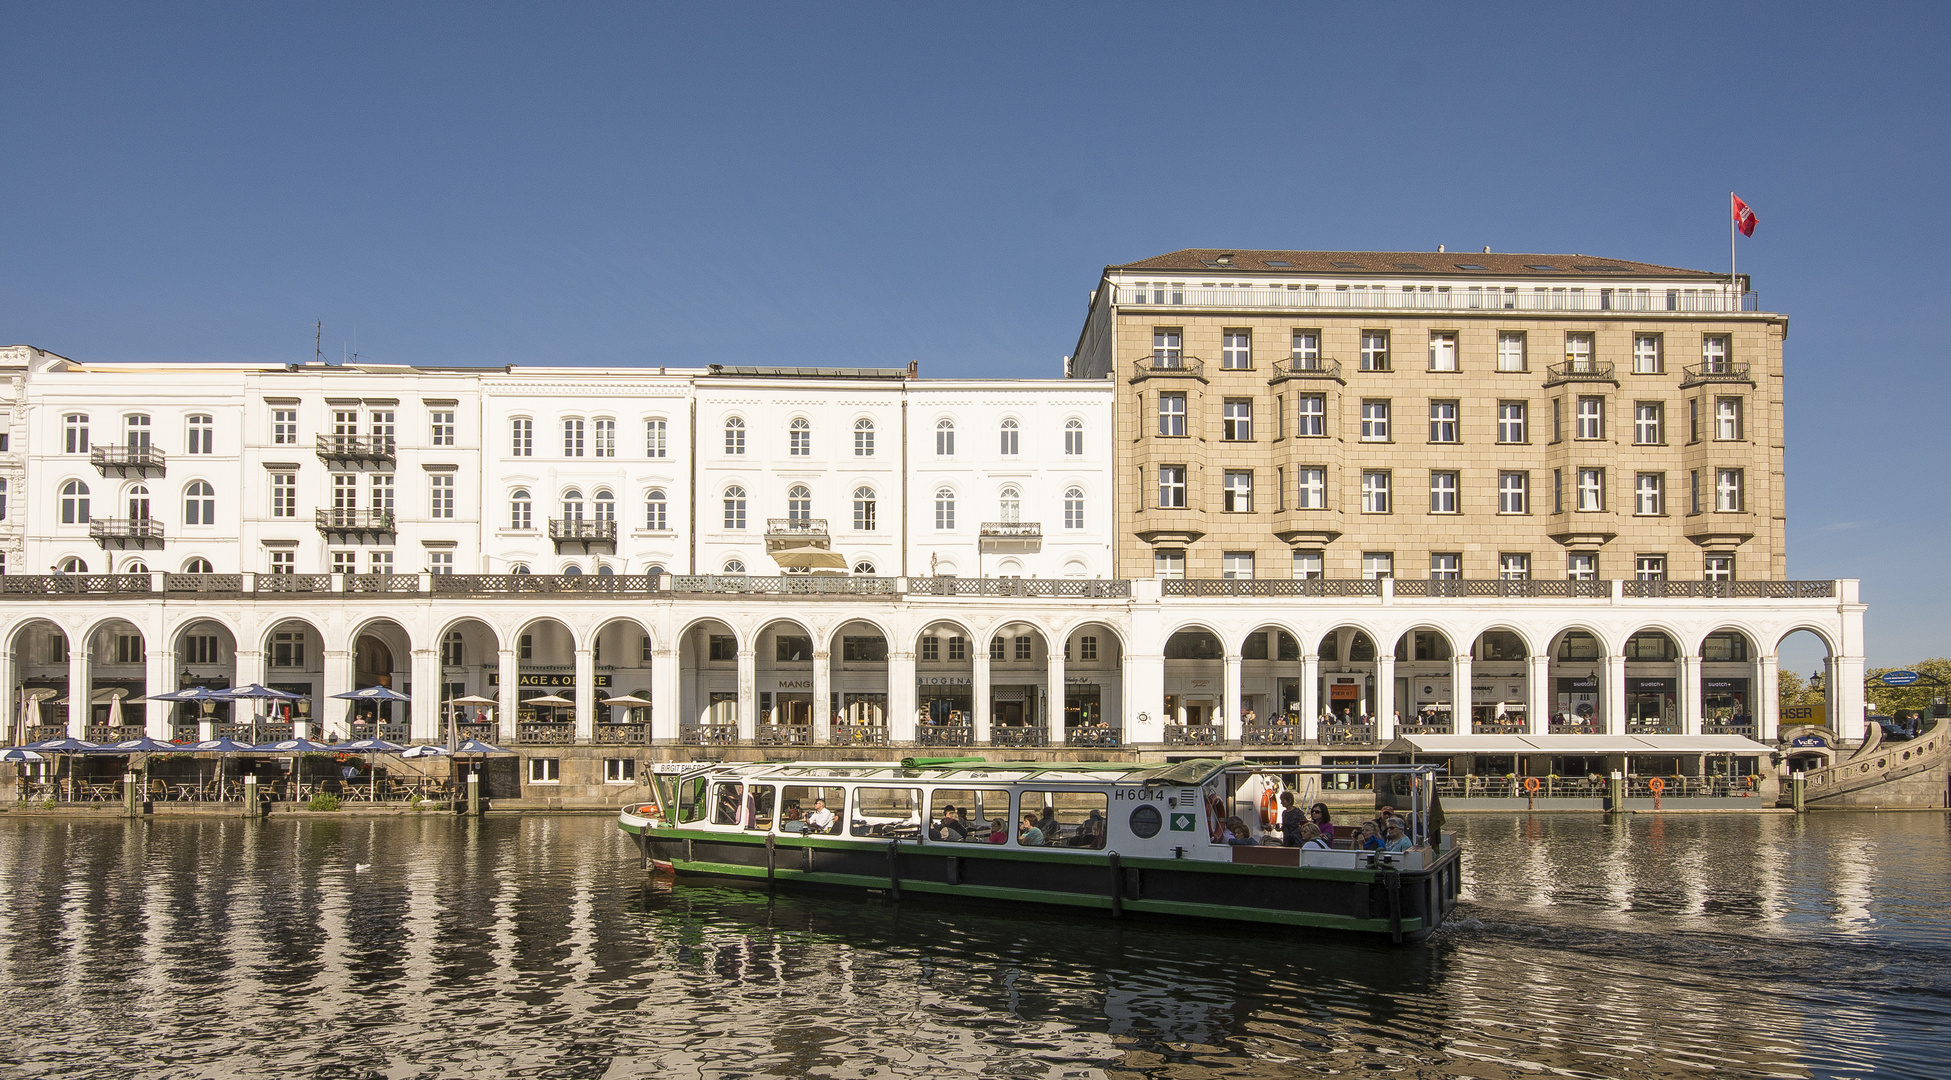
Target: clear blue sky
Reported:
point(876, 183)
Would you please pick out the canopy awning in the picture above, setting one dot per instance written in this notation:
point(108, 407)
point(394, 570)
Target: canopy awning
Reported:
point(1576, 744)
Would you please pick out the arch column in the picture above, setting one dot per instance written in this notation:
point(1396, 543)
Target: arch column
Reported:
point(79, 690)
point(1143, 691)
point(1230, 726)
point(1537, 693)
point(157, 676)
point(1053, 719)
point(508, 691)
point(901, 699)
point(1463, 696)
point(748, 694)
point(424, 721)
point(1687, 696)
point(822, 697)
point(1846, 691)
point(1612, 703)
point(1311, 697)
point(1385, 695)
point(337, 677)
point(666, 692)
point(585, 694)
point(1767, 705)
point(15, 736)
point(979, 694)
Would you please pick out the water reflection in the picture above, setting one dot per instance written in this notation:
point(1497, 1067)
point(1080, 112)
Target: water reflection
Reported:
point(384, 947)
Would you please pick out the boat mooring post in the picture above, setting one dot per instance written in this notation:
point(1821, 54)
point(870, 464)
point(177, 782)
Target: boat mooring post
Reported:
point(131, 795)
point(1797, 791)
point(473, 794)
point(251, 803)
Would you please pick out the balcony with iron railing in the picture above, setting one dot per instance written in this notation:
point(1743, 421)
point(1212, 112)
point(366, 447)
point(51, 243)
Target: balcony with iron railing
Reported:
point(1446, 297)
point(545, 733)
point(128, 460)
point(622, 734)
point(1011, 530)
point(580, 531)
point(708, 735)
point(1273, 735)
point(1156, 366)
point(945, 735)
point(349, 521)
point(1312, 367)
point(1271, 587)
point(1021, 735)
point(1502, 588)
point(1081, 588)
point(1346, 733)
point(782, 585)
point(123, 533)
point(796, 529)
point(1193, 735)
point(356, 448)
point(1719, 372)
point(1092, 736)
point(1572, 371)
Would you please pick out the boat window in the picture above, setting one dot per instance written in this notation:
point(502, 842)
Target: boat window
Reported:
point(690, 800)
point(812, 809)
point(763, 799)
point(725, 804)
point(887, 811)
point(1073, 819)
point(971, 815)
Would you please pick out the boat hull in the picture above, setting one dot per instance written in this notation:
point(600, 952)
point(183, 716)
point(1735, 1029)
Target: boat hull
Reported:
point(1396, 905)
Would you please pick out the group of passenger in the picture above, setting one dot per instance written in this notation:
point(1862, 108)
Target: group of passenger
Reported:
point(1315, 830)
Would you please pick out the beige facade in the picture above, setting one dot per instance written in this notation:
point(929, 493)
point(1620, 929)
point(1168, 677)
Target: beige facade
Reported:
point(1548, 436)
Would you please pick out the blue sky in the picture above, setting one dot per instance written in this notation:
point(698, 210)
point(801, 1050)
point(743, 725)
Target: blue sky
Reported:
point(874, 183)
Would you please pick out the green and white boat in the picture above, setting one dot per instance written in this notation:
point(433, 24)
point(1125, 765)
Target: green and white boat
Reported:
point(1120, 838)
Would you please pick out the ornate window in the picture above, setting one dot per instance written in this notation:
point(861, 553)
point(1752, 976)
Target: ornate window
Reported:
point(605, 505)
point(1074, 438)
point(74, 503)
point(944, 438)
point(799, 438)
point(735, 509)
point(1011, 441)
point(863, 437)
point(1074, 508)
point(521, 510)
point(799, 503)
point(657, 510)
point(945, 508)
point(199, 504)
point(572, 506)
point(864, 501)
point(734, 436)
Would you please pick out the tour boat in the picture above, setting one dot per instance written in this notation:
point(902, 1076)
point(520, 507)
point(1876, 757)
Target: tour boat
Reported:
point(1114, 837)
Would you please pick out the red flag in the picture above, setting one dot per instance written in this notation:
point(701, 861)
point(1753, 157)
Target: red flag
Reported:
point(1744, 217)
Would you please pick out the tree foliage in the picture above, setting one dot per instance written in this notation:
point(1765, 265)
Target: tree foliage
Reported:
point(1921, 695)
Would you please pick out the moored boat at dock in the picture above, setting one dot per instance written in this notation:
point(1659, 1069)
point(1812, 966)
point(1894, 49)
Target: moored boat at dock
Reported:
point(1123, 838)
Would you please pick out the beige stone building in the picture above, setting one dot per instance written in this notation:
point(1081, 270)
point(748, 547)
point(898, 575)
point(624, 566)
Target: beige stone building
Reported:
point(1440, 416)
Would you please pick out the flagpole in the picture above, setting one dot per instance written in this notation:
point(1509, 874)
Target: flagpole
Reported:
point(1733, 280)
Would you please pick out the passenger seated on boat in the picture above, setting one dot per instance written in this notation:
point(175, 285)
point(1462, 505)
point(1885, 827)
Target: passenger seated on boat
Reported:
point(1318, 817)
point(1311, 838)
point(820, 820)
point(792, 812)
point(1398, 836)
point(1366, 838)
point(1237, 834)
point(1049, 827)
point(951, 830)
point(1029, 835)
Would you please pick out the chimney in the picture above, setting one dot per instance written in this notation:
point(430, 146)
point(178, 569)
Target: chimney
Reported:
point(914, 369)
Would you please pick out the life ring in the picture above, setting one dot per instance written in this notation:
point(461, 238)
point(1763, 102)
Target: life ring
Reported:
point(1531, 784)
point(1656, 785)
point(1751, 781)
point(1269, 801)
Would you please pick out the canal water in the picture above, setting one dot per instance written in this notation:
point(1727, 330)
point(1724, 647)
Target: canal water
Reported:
point(1641, 946)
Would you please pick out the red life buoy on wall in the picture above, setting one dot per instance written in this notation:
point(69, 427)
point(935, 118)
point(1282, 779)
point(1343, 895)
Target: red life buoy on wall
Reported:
point(1531, 784)
point(1269, 807)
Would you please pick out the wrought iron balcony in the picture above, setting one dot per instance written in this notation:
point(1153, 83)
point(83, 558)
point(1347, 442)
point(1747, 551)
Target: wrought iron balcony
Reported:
point(578, 531)
point(356, 448)
point(1149, 367)
point(1085, 588)
point(1317, 367)
point(1027, 735)
point(123, 533)
point(708, 735)
point(806, 528)
point(1273, 735)
point(1001, 536)
point(359, 523)
point(1091, 736)
point(1271, 587)
point(1579, 371)
point(1192, 735)
point(1715, 373)
point(1342, 733)
point(945, 735)
point(127, 460)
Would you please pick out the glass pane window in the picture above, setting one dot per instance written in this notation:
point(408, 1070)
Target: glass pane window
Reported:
point(1237, 420)
point(1307, 565)
point(1236, 350)
point(1649, 423)
point(1513, 493)
point(1646, 355)
point(1442, 421)
point(1727, 419)
point(657, 510)
point(1074, 508)
point(605, 438)
point(1442, 492)
point(1510, 422)
point(799, 438)
point(1727, 490)
point(656, 444)
point(1445, 566)
point(1312, 492)
point(1311, 415)
point(1168, 564)
point(1514, 566)
point(1649, 494)
point(945, 438)
point(1375, 350)
point(1238, 495)
point(1581, 567)
point(1236, 564)
point(1172, 487)
point(734, 507)
point(284, 427)
point(945, 509)
point(441, 421)
point(1442, 351)
point(522, 438)
point(1307, 350)
point(1378, 564)
point(735, 436)
point(1590, 418)
point(1719, 568)
point(1074, 438)
point(1714, 359)
point(1649, 567)
point(1375, 421)
point(1591, 490)
point(1172, 415)
point(1578, 352)
point(1375, 492)
point(1166, 349)
point(1510, 350)
point(1011, 439)
point(572, 437)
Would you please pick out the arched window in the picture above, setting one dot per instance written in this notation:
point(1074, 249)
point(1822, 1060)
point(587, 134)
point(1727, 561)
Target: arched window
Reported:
point(73, 565)
point(572, 506)
point(864, 509)
point(944, 438)
point(135, 566)
point(1011, 445)
point(572, 436)
point(657, 510)
point(199, 504)
point(654, 432)
point(799, 503)
point(74, 503)
point(1074, 438)
point(735, 507)
point(139, 503)
point(864, 567)
point(199, 565)
point(654, 569)
point(944, 508)
point(735, 436)
point(138, 432)
point(1074, 508)
point(519, 570)
point(203, 434)
point(863, 437)
point(572, 570)
point(734, 566)
point(521, 510)
point(606, 570)
point(799, 438)
point(1012, 505)
point(605, 505)
point(3, 499)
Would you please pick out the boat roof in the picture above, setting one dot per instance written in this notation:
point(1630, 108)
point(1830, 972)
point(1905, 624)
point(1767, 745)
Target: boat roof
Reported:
point(973, 769)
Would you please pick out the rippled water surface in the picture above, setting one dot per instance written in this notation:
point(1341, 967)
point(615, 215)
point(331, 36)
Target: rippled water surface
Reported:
point(1638, 946)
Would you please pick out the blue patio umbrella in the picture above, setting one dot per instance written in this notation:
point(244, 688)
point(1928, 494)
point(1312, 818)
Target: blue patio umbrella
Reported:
point(221, 745)
point(292, 746)
point(373, 693)
point(193, 693)
point(257, 690)
point(478, 748)
point(63, 745)
point(424, 752)
point(19, 754)
point(144, 745)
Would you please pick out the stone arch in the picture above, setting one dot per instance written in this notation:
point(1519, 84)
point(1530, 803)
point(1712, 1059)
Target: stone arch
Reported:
point(39, 647)
point(1350, 690)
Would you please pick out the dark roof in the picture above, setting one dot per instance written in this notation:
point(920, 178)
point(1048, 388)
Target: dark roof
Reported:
point(1336, 263)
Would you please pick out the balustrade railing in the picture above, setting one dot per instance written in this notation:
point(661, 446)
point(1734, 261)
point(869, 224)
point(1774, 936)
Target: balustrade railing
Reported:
point(1579, 371)
point(1081, 588)
point(1271, 587)
point(356, 448)
point(1148, 366)
point(1426, 729)
point(291, 583)
point(41, 732)
point(708, 734)
point(72, 584)
point(1712, 728)
point(487, 733)
point(138, 530)
point(579, 530)
point(545, 734)
point(1728, 590)
point(1574, 727)
point(1323, 367)
point(622, 734)
point(581, 584)
point(1273, 735)
point(1526, 588)
point(783, 585)
point(1494, 727)
point(382, 583)
point(1091, 736)
point(105, 733)
point(1421, 297)
point(1193, 735)
point(205, 583)
point(785, 735)
point(1654, 727)
point(1026, 735)
point(945, 735)
point(1714, 373)
point(1338, 732)
point(859, 735)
